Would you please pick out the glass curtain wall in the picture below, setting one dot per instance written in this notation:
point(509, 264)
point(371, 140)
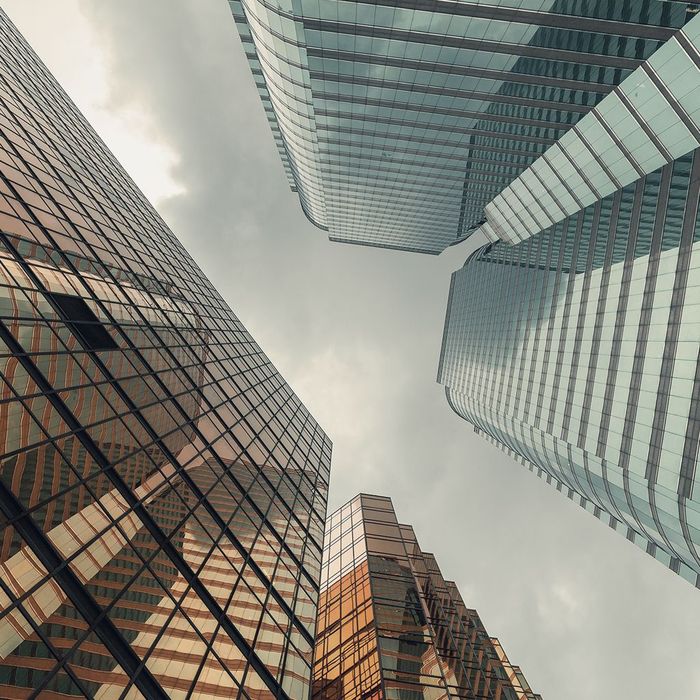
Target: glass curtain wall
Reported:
point(577, 350)
point(391, 628)
point(162, 489)
point(397, 122)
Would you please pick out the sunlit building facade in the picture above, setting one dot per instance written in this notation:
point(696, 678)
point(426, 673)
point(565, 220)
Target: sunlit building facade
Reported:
point(399, 121)
point(578, 352)
point(391, 628)
point(572, 340)
point(162, 489)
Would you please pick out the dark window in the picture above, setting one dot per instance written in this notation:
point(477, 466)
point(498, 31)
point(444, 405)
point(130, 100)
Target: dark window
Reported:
point(82, 321)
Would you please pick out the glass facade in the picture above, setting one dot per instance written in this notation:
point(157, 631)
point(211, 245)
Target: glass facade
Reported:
point(578, 351)
point(398, 121)
point(391, 628)
point(649, 120)
point(162, 489)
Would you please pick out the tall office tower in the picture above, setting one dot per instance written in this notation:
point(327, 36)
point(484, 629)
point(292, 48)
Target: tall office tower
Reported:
point(162, 489)
point(390, 627)
point(398, 121)
point(573, 340)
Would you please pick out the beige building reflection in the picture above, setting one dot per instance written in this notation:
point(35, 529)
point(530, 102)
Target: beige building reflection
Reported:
point(105, 543)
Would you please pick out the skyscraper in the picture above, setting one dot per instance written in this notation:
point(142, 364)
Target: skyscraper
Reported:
point(162, 489)
point(398, 121)
point(577, 350)
point(572, 341)
point(390, 627)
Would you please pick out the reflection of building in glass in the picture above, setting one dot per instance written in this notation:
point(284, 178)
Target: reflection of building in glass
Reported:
point(390, 627)
point(398, 122)
point(577, 351)
point(162, 490)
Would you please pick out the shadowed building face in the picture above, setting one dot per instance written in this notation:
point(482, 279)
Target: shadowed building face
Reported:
point(162, 489)
point(390, 627)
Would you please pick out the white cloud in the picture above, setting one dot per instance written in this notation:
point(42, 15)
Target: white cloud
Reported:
point(70, 44)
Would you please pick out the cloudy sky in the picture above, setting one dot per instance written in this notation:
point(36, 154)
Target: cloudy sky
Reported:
point(356, 332)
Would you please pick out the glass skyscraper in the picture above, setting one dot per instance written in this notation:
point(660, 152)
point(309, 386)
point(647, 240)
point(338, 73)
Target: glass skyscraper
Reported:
point(391, 628)
point(399, 121)
point(578, 351)
point(162, 489)
point(573, 340)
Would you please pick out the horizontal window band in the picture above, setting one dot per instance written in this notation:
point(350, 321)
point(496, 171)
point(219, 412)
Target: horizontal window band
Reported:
point(481, 45)
point(507, 76)
point(487, 116)
point(521, 16)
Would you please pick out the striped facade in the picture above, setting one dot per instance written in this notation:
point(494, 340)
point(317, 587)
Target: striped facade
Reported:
point(162, 489)
point(391, 628)
point(578, 352)
point(399, 121)
point(649, 120)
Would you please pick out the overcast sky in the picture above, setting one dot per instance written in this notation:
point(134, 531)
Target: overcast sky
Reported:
point(356, 332)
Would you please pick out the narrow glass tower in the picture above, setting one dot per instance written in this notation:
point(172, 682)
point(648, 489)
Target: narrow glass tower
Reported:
point(391, 628)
